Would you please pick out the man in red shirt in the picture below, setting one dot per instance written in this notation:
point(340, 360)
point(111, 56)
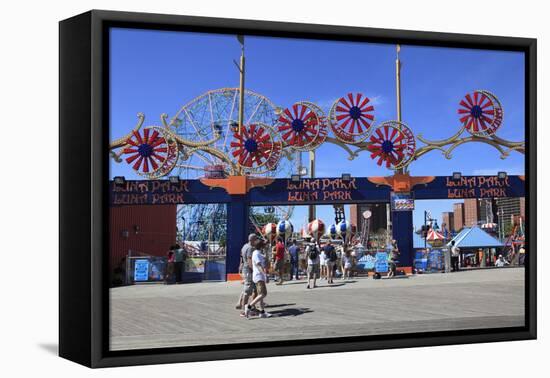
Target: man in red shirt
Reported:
point(279, 259)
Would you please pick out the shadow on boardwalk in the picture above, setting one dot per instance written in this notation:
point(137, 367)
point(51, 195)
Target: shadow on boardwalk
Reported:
point(293, 311)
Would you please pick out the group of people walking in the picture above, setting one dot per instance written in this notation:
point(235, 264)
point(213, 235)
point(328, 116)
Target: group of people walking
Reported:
point(255, 268)
point(254, 272)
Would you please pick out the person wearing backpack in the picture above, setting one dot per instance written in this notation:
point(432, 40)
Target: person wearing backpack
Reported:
point(332, 257)
point(312, 266)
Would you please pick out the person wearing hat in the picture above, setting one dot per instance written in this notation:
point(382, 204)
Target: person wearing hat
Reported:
point(501, 262)
point(246, 271)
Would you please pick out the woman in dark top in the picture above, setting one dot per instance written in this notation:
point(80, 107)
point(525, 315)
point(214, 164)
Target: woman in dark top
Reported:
point(169, 266)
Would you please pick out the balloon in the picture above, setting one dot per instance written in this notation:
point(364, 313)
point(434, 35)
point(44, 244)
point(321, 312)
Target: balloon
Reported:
point(316, 228)
point(345, 229)
point(284, 229)
point(269, 231)
point(332, 231)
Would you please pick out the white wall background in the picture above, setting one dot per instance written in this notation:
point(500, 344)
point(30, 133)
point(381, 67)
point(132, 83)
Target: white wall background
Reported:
point(29, 206)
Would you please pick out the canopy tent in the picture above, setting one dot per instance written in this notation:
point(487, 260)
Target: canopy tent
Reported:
point(434, 236)
point(475, 237)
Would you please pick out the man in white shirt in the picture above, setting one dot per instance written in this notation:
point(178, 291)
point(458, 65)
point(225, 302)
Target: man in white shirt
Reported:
point(259, 277)
point(501, 262)
point(455, 253)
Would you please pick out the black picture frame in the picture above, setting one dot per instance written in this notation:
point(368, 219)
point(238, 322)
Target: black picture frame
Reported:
point(83, 109)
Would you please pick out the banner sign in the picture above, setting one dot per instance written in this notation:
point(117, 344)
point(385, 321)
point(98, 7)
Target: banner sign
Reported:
point(319, 190)
point(164, 192)
point(471, 187)
point(402, 202)
point(306, 191)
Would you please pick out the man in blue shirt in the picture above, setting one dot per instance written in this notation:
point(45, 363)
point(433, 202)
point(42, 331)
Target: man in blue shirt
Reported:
point(294, 252)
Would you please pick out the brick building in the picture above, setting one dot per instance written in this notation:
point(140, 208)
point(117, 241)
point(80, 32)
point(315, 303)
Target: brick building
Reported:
point(509, 207)
point(471, 212)
point(458, 216)
point(447, 218)
point(144, 230)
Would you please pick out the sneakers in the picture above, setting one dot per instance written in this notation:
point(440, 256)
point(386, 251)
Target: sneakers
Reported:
point(265, 315)
point(238, 307)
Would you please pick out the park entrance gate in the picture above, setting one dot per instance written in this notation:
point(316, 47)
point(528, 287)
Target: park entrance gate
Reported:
point(239, 193)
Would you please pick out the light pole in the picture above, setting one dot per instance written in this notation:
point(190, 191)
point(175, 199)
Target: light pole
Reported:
point(424, 229)
point(312, 210)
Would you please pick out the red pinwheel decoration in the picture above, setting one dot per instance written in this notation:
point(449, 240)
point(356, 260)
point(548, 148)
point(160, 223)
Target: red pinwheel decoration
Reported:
point(480, 113)
point(393, 143)
point(299, 126)
point(352, 117)
point(146, 151)
point(253, 147)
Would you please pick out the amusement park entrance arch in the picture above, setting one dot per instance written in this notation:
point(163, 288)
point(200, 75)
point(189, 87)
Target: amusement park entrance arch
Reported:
point(241, 137)
point(242, 192)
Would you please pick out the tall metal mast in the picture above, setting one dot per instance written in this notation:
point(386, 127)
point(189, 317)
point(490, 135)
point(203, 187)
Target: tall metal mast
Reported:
point(398, 91)
point(241, 83)
point(312, 214)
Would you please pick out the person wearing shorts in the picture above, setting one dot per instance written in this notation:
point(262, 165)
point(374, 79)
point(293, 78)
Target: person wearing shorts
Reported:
point(246, 270)
point(279, 259)
point(312, 266)
point(323, 265)
point(259, 277)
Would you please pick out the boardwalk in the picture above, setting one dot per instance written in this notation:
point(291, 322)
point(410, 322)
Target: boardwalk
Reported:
point(154, 316)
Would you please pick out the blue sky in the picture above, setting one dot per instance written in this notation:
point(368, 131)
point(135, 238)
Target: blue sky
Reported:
point(158, 72)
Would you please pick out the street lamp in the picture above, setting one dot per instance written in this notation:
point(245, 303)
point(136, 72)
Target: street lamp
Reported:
point(502, 175)
point(457, 175)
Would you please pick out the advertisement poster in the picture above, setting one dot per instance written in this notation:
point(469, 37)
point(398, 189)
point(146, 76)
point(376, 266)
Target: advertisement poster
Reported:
point(141, 270)
point(158, 267)
point(381, 264)
point(195, 265)
point(421, 261)
point(436, 260)
point(402, 202)
point(366, 262)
